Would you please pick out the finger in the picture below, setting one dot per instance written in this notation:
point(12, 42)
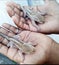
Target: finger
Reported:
point(10, 11)
point(15, 8)
point(23, 23)
point(17, 21)
point(11, 53)
point(6, 32)
point(11, 57)
point(13, 4)
point(3, 40)
point(3, 49)
point(16, 55)
point(20, 22)
point(31, 26)
point(15, 30)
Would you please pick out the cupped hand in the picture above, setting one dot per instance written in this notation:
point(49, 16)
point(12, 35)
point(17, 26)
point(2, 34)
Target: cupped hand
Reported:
point(41, 42)
point(51, 9)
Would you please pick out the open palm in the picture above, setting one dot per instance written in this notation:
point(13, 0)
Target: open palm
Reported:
point(41, 43)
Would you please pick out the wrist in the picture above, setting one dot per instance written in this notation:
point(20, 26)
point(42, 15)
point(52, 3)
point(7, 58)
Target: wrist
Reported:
point(54, 54)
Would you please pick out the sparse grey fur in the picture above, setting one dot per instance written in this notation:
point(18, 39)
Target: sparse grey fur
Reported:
point(24, 47)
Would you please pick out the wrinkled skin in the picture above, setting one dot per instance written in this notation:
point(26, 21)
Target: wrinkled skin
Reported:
point(42, 44)
point(51, 25)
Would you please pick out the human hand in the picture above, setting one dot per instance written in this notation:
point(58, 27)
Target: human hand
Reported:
point(51, 25)
point(41, 42)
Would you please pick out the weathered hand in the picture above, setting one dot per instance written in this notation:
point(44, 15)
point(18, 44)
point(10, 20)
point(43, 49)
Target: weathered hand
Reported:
point(16, 14)
point(41, 42)
point(51, 25)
